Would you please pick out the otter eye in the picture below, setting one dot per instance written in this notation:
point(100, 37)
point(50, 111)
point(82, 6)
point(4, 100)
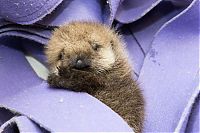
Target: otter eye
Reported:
point(61, 55)
point(96, 46)
point(111, 42)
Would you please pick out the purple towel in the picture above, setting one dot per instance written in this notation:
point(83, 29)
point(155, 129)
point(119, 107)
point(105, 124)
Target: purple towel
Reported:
point(31, 97)
point(169, 74)
point(162, 42)
point(27, 12)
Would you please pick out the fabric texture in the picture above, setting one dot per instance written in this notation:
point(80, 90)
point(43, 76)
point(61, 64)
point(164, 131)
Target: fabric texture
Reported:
point(162, 40)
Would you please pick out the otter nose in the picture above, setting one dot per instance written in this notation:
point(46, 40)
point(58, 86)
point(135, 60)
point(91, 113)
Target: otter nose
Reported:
point(81, 64)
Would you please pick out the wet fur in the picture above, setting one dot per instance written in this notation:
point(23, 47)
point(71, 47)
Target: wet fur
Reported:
point(109, 77)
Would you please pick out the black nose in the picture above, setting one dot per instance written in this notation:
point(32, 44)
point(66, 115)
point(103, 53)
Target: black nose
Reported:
point(81, 64)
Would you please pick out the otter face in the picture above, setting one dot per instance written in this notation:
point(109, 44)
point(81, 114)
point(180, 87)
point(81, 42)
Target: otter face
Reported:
point(85, 55)
point(81, 47)
point(81, 52)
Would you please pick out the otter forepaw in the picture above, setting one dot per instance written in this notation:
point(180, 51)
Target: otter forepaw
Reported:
point(53, 80)
point(57, 81)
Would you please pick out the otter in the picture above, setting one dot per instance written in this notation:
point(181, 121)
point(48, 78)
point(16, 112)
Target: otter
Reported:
point(91, 57)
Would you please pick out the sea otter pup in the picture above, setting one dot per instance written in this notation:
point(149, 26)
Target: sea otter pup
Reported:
point(90, 57)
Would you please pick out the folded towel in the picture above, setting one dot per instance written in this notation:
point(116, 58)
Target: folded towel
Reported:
point(27, 12)
point(74, 10)
point(21, 124)
point(162, 42)
point(68, 10)
point(131, 10)
point(52, 109)
point(147, 26)
point(169, 74)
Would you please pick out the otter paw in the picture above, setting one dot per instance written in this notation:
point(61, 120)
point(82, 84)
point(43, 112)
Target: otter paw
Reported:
point(53, 80)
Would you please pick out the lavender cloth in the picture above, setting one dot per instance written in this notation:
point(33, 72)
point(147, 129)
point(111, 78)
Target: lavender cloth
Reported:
point(27, 12)
point(157, 48)
point(69, 11)
point(139, 7)
point(27, 95)
point(147, 26)
point(169, 74)
point(73, 10)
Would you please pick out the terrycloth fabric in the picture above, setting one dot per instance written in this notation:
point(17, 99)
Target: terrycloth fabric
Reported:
point(162, 40)
point(169, 74)
point(67, 11)
point(73, 10)
point(135, 9)
point(147, 26)
point(26, 11)
point(53, 109)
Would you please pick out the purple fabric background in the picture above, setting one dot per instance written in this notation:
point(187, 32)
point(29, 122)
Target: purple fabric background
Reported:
point(162, 39)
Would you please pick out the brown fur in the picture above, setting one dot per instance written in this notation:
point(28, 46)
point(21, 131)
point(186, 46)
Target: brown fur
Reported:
point(109, 77)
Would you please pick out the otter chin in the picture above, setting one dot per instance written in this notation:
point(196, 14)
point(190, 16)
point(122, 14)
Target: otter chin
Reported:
point(91, 57)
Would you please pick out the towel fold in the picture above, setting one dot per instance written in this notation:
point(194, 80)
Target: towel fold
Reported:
point(27, 11)
point(162, 43)
point(31, 97)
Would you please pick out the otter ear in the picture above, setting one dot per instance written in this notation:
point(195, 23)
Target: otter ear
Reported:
point(112, 43)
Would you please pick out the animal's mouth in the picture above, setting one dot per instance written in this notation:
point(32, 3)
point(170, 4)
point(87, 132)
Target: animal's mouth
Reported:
point(63, 71)
point(86, 69)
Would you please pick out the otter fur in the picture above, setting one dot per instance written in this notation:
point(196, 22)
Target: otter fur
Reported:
point(91, 57)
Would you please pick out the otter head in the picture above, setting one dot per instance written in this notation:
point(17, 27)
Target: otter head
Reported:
point(83, 51)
